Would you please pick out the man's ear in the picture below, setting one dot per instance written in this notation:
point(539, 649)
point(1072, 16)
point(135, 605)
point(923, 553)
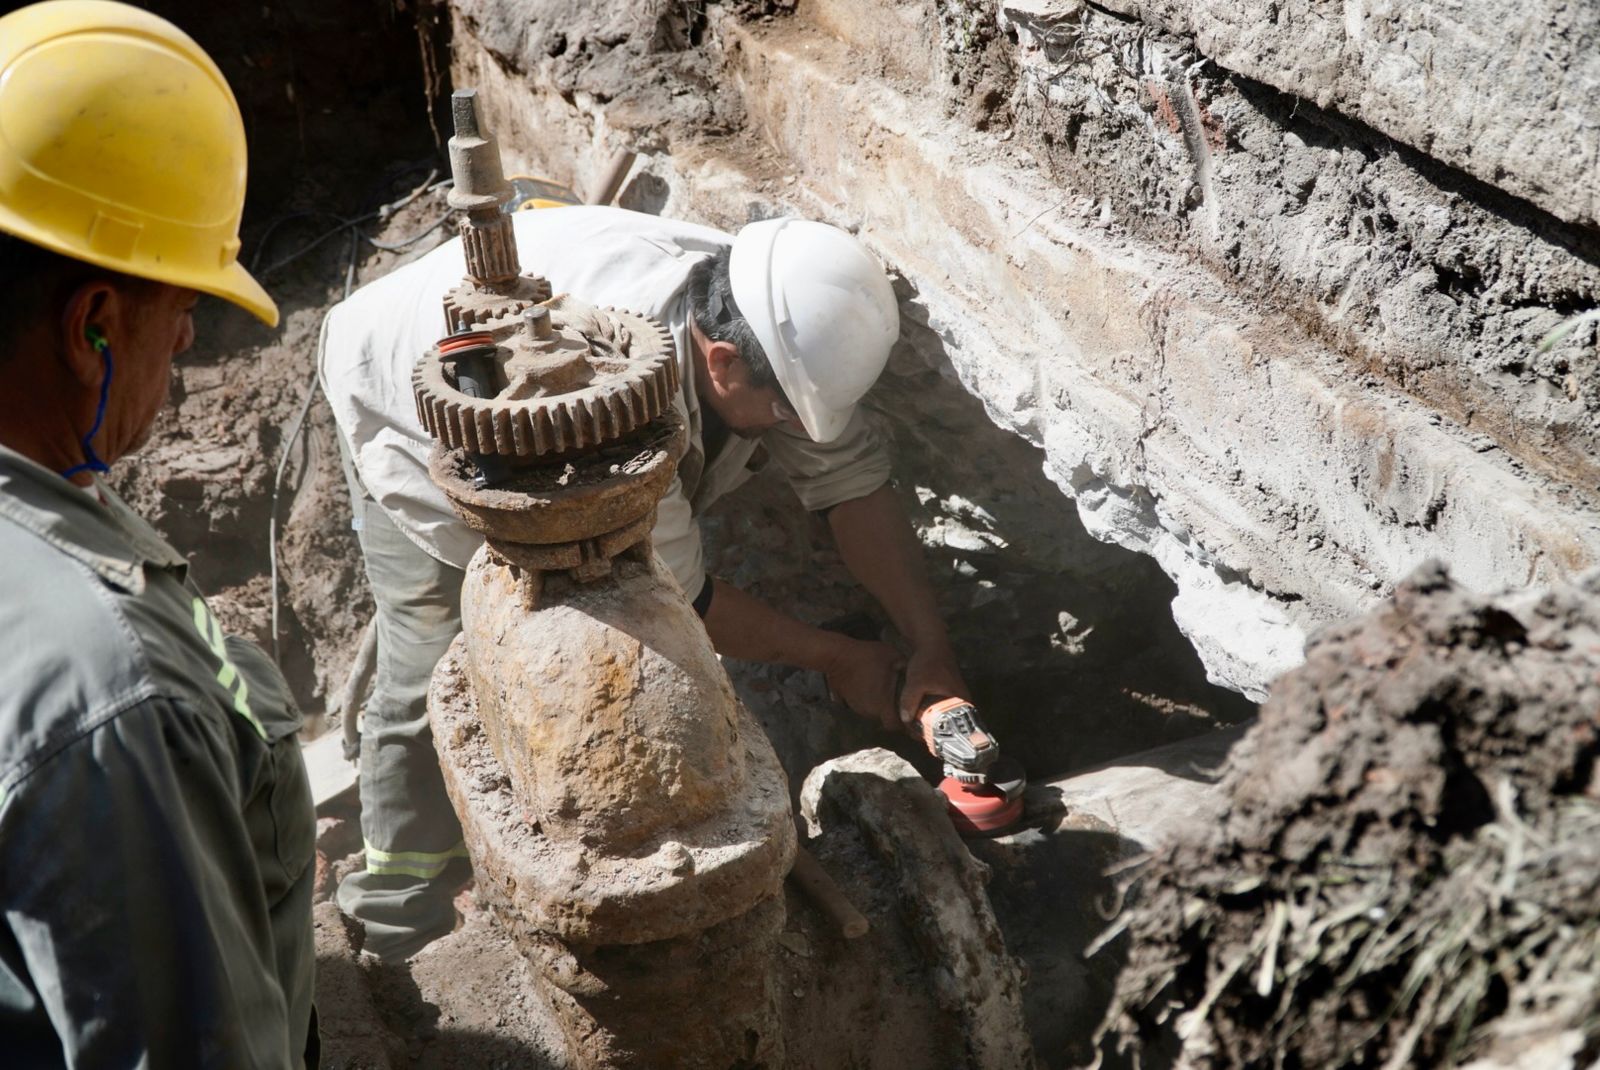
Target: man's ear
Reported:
point(94, 307)
point(724, 365)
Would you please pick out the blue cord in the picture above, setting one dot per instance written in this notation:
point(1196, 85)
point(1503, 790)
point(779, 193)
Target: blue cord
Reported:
point(92, 462)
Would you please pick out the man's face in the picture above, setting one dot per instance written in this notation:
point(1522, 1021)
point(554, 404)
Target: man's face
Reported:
point(750, 411)
point(724, 383)
point(156, 326)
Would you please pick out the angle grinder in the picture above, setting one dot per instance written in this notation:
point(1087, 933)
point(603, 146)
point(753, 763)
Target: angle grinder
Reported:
point(983, 790)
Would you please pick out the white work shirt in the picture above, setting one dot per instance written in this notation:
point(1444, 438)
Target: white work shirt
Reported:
point(607, 257)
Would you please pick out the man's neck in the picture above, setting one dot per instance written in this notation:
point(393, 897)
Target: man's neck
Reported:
point(36, 416)
point(46, 454)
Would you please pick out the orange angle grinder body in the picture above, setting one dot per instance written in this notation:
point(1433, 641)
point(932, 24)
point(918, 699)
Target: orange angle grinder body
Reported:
point(983, 790)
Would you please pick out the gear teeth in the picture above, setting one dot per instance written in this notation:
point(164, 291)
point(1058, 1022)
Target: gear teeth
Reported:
point(589, 434)
point(519, 432)
point(544, 434)
point(469, 306)
point(566, 433)
point(477, 423)
point(578, 420)
point(500, 431)
point(616, 421)
point(490, 248)
point(627, 394)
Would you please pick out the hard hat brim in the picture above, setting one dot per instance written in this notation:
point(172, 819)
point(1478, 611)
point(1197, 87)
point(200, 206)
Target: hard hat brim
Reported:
point(232, 283)
point(826, 425)
point(236, 285)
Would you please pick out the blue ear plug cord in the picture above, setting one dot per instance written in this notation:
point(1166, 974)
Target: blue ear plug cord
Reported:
point(92, 462)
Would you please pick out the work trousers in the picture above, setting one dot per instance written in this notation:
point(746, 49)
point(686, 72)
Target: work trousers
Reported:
point(416, 860)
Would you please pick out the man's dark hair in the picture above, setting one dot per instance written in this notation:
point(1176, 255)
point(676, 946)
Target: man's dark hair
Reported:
point(35, 281)
point(715, 313)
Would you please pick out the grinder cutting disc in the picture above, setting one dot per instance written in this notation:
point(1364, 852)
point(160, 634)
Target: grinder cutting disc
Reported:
point(987, 809)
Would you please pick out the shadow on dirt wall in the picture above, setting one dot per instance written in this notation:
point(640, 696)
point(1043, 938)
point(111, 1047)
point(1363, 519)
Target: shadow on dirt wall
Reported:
point(1068, 644)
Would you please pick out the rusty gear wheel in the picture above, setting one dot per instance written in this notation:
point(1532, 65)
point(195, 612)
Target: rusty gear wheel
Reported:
point(567, 377)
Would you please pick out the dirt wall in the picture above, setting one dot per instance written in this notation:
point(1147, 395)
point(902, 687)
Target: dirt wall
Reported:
point(1398, 867)
point(1500, 91)
point(1259, 336)
point(1420, 273)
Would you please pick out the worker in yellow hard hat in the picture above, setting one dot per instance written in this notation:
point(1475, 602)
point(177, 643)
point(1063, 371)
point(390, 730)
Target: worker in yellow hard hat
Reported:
point(156, 829)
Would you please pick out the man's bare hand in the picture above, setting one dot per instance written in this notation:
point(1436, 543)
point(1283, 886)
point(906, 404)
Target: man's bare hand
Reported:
point(930, 673)
point(863, 675)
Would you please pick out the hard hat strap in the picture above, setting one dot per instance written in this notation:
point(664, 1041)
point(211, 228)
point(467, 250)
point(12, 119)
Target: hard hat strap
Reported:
point(92, 461)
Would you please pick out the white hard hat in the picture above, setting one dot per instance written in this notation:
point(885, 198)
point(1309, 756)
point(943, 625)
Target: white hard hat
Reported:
point(822, 309)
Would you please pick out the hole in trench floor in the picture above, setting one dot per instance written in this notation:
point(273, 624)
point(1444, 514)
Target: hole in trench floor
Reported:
point(1068, 644)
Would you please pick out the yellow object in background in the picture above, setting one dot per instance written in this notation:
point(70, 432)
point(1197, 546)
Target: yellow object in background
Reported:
point(529, 192)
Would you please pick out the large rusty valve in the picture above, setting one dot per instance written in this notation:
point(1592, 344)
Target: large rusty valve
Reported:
point(554, 419)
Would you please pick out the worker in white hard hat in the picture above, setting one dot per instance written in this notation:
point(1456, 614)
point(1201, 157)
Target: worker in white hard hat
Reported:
point(779, 333)
point(156, 829)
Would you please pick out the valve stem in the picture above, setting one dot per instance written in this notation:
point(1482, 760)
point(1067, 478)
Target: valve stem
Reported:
point(479, 190)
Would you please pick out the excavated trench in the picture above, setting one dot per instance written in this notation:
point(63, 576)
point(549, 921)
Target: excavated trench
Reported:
point(1197, 359)
point(1072, 647)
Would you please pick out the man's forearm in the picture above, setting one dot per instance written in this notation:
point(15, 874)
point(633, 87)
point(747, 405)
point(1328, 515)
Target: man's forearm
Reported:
point(875, 539)
point(861, 674)
point(742, 626)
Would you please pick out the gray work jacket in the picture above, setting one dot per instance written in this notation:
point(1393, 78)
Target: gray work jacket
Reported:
point(156, 827)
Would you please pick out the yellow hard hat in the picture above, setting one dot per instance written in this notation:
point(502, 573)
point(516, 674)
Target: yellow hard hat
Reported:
point(121, 145)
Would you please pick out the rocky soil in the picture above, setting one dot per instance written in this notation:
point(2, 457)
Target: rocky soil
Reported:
point(1433, 280)
point(1068, 643)
point(1264, 330)
point(209, 478)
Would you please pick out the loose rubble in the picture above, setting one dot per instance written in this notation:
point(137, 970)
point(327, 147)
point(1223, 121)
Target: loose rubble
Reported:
point(1404, 865)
